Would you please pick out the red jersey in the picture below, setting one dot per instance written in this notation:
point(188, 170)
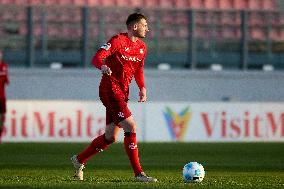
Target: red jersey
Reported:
point(125, 58)
point(3, 78)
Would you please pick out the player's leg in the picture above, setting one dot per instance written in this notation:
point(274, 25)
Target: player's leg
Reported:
point(131, 148)
point(2, 116)
point(2, 120)
point(97, 145)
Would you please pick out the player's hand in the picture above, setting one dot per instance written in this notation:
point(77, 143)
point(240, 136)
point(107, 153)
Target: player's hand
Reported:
point(143, 95)
point(106, 70)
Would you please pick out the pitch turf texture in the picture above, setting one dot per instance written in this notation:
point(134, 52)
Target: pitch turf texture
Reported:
point(227, 165)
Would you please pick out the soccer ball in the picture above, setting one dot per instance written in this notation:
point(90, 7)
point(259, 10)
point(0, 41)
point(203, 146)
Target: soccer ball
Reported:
point(193, 172)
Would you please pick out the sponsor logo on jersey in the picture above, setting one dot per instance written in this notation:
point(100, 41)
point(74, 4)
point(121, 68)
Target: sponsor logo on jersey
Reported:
point(129, 58)
point(106, 46)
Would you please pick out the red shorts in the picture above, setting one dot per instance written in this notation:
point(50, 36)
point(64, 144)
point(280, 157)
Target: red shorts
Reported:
point(2, 105)
point(116, 106)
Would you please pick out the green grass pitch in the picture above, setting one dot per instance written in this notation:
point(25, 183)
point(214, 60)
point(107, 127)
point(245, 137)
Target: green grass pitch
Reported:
point(227, 165)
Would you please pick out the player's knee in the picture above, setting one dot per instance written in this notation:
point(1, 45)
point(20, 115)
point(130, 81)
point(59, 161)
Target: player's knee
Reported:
point(112, 139)
point(130, 128)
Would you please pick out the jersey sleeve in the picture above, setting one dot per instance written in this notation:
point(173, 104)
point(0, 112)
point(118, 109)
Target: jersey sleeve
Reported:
point(106, 50)
point(4, 73)
point(139, 74)
point(139, 78)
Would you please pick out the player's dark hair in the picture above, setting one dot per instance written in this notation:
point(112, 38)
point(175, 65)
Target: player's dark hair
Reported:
point(134, 18)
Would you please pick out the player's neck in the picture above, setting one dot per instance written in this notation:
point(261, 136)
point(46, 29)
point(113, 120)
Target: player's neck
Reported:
point(132, 37)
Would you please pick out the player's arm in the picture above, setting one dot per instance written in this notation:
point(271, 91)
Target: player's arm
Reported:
point(139, 78)
point(106, 50)
point(4, 74)
point(98, 62)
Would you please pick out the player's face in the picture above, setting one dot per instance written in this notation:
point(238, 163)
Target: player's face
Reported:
point(141, 28)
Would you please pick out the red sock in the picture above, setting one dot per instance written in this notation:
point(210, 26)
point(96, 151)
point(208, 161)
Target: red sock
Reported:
point(1, 131)
point(131, 148)
point(98, 144)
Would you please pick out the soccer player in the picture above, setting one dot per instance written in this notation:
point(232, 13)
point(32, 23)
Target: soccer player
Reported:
point(4, 80)
point(119, 60)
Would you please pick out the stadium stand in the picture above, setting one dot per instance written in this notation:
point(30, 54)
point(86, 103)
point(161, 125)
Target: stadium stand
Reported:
point(175, 4)
point(217, 23)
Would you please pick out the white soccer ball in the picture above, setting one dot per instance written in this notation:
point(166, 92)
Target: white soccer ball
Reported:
point(193, 172)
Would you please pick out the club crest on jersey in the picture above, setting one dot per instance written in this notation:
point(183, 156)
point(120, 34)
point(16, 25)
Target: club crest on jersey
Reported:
point(141, 51)
point(106, 46)
point(132, 146)
point(120, 114)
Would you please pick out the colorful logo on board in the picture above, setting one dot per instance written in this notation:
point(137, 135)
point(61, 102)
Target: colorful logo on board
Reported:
point(177, 122)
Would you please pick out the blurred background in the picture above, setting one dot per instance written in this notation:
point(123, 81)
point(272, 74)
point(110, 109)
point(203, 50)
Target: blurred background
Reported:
point(184, 34)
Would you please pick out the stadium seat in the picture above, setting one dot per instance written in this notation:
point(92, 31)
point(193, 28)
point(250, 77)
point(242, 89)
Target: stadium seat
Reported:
point(168, 33)
point(201, 33)
point(151, 15)
point(70, 15)
point(197, 4)
point(182, 4)
point(5, 16)
point(168, 17)
point(23, 29)
point(255, 4)
point(202, 18)
point(92, 3)
point(281, 35)
point(93, 15)
point(229, 18)
point(231, 33)
point(226, 4)
point(183, 32)
point(167, 4)
point(215, 33)
point(241, 4)
point(210, 4)
point(115, 17)
point(8, 2)
point(130, 3)
point(277, 34)
point(21, 2)
point(21, 15)
point(269, 5)
point(2, 32)
point(107, 3)
point(37, 30)
point(109, 32)
point(257, 33)
point(74, 32)
point(53, 31)
point(38, 2)
point(274, 34)
point(182, 18)
point(93, 32)
point(49, 2)
point(151, 3)
point(256, 19)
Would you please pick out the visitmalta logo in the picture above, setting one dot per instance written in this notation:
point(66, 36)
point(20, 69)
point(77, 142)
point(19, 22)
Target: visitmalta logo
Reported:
point(177, 122)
